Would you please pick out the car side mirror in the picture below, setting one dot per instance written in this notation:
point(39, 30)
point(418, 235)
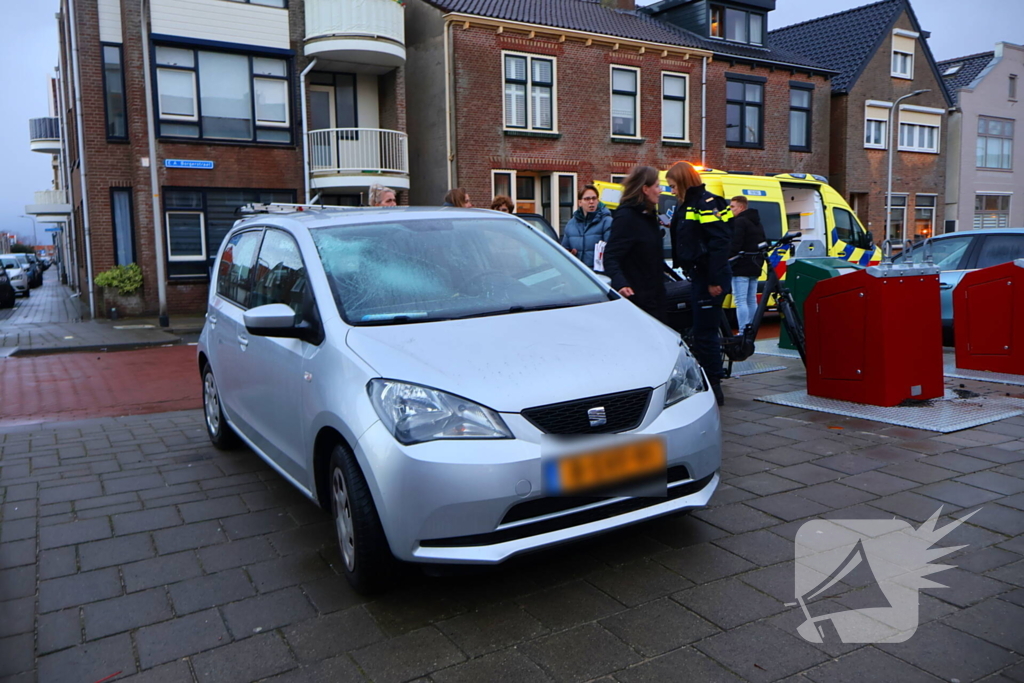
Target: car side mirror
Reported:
point(276, 320)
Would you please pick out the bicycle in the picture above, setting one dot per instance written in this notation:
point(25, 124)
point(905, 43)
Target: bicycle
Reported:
point(740, 347)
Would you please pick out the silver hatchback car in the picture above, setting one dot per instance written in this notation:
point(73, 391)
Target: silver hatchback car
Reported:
point(422, 373)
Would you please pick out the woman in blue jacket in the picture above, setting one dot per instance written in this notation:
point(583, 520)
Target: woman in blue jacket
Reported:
point(592, 223)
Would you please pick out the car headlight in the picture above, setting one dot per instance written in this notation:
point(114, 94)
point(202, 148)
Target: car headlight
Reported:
point(414, 414)
point(685, 381)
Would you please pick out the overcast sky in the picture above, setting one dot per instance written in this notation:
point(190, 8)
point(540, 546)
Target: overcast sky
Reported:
point(28, 51)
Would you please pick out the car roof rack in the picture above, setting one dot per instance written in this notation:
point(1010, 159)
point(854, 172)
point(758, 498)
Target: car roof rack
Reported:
point(276, 207)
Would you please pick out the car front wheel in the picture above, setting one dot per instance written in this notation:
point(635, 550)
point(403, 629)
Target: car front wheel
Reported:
point(217, 428)
point(366, 557)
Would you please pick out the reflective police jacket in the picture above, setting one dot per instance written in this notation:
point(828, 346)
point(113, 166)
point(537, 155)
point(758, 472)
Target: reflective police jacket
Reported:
point(701, 235)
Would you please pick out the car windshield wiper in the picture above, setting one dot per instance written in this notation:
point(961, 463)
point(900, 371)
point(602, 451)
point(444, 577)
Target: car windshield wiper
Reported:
point(518, 309)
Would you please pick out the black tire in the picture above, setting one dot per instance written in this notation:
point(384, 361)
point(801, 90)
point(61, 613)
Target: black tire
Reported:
point(27, 293)
point(794, 326)
point(221, 434)
point(365, 555)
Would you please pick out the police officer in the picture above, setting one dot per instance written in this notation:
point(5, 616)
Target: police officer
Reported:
point(700, 246)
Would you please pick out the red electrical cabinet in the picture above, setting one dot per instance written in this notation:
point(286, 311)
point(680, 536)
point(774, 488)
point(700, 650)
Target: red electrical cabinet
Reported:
point(875, 336)
point(988, 319)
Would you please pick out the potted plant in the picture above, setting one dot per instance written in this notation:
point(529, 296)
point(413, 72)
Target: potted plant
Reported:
point(122, 290)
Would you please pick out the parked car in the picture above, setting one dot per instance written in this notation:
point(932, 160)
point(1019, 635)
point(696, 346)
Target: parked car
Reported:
point(540, 223)
point(405, 369)
point(957, 253)
point(34, 270)
point(7, 293)
point(17, 273)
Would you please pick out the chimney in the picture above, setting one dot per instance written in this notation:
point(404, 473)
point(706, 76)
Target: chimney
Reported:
point(628, 5)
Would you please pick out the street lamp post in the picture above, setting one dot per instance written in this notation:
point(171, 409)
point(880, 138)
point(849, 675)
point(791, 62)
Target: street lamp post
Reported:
point(35, 224)
point(888, 190)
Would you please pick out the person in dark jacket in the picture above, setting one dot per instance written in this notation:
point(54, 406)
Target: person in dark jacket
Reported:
point(590, 224)
point(747, 233)
point(700, 246)
point(633, 257)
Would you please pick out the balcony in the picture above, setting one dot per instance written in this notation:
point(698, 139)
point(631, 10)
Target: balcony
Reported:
point(51, 206)
point(368, 32)
point(44, 135)
point(358, 157)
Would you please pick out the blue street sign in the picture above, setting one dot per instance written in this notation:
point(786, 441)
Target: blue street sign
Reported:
point(53, 230)
point(187, 163)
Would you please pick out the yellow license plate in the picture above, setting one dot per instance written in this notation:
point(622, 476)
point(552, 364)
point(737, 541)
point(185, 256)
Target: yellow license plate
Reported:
point(609, 466)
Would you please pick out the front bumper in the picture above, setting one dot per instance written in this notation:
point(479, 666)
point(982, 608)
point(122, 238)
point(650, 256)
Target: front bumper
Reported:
point(447, 501)
point(20, 286)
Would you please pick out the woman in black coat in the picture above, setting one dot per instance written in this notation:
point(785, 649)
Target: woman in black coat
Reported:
point(633, 256)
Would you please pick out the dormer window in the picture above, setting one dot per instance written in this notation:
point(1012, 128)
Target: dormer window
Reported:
point(737, 25)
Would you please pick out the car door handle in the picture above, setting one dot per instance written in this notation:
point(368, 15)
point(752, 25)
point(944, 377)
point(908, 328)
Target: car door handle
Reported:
point(244, 341)
point(945, 285)
point(212, 318)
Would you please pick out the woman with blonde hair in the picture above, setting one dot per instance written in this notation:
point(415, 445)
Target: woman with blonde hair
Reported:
point(633, 256)
point(701, 236)
point(382, 196)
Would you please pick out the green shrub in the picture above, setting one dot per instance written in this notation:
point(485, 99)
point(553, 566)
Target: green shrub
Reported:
point(125, 279)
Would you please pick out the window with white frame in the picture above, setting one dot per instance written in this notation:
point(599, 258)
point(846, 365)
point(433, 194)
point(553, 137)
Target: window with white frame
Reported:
point(897, 218)
point(876, 123)
point(995, 143)
point(902, 64)
point(551, 194)
point(674, 111)
point(924, 217)
point(625, 103)
point(916, 137)
point(222, 96)
point(530, 93)
point(874, 133)
point(991, 211)
point(904, 44)
point(618, 177)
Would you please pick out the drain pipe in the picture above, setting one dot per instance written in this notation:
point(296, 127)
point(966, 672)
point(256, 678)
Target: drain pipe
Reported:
point(68, 261)
point(154, 183)
point(82, 176)
point(305, 124)
point(703, 110)
point(449, 155)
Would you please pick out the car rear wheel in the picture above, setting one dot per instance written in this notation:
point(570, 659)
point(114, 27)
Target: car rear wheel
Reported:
point(217, 428)
point(366, 557)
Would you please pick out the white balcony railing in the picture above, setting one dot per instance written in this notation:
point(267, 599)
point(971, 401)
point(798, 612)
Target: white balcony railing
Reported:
point(373, 18)
point(51, 197)
point(341, 151)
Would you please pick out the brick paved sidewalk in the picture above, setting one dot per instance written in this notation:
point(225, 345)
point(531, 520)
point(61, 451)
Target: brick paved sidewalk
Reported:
point(131, 545)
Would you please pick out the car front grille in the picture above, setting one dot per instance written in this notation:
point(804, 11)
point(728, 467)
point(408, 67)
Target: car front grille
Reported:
point(622, 412)
point(570, 518)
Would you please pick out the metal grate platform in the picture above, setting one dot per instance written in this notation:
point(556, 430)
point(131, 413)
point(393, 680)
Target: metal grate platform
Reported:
point(753, 367)
point(770, 347)
point(949, 369)
point(947, 414)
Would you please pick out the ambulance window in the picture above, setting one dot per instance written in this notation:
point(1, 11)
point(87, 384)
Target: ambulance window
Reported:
point(848, 229)
point(844, 225)
point(771, 217)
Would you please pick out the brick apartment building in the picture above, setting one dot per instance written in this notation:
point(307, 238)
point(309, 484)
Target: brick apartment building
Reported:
point(254, 101)
point(533, 98)
point(983, 139)
point(881, 53)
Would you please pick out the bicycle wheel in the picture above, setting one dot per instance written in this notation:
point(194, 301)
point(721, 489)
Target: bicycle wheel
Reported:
point(724, 339)
point(794, 325)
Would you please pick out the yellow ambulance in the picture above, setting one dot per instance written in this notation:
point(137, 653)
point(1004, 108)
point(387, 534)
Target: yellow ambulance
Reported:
point(787, 201)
